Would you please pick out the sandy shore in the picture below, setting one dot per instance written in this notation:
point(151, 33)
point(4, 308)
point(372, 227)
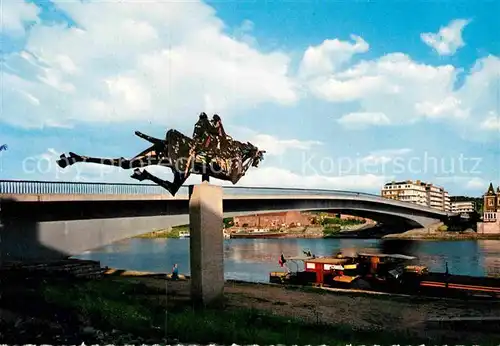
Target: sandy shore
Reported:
point(132, 306)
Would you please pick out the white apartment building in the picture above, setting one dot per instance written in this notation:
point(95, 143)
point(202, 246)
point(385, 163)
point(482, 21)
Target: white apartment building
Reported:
point(434, 197)
point(418, 192)
point(463, 207)
point(407, 191)
point(447, 201)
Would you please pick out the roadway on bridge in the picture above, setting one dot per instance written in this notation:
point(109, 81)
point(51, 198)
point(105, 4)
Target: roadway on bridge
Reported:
point(71, 223)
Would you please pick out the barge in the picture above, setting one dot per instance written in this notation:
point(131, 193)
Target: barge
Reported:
point(389, 273)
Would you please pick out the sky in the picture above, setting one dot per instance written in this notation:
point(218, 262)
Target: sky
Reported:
point(342, 95)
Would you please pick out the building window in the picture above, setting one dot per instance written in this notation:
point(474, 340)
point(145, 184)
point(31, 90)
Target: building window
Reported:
point(490, 217)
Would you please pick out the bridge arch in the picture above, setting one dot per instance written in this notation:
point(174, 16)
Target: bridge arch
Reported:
point(60, 219)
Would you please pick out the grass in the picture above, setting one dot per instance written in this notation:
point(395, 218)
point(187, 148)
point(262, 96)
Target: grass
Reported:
point(172, 233)
point(134, 307)
point(254, 327)
point(125, 306)
point(107, 304)
point(331, 230)
point(442, 228)
point(327, 221)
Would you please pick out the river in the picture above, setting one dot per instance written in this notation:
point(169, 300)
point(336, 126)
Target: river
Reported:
point(253, 259)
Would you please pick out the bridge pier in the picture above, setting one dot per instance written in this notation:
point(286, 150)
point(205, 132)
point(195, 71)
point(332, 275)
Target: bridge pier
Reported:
point(206, 243)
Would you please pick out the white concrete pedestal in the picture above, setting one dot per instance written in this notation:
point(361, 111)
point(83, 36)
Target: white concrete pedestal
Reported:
point(206, 243)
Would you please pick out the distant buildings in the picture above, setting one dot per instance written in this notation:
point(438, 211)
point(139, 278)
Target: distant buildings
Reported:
point(491, 212)
point(273, 220)
point(463, 207)
point(491, 204)
point(287, 219)
point(418, 192)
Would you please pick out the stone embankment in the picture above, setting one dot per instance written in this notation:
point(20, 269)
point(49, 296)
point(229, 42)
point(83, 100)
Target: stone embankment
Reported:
point(438, 231)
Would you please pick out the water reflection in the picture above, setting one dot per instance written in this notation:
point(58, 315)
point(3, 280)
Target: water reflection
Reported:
point(490, 254)
point(253, 259)
point(463, 257)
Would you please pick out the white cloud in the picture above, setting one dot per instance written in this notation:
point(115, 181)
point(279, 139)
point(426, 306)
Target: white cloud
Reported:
point(384, 156)
point(479, 94)
point(330, 55)
point(476, 184)
point(14, 14)
point(448, 39)
point(395, 90)
point(271, 144)
point(492, 122)
point(450, 106)
point(275, 146)
point(390, 84)
point(362, 119)
point(243, 33)
point(166, 60)
point(157, 62)
point(273, 176)
point(44, 167)
point(337, 89)
point(389, 88)
point(398, 85)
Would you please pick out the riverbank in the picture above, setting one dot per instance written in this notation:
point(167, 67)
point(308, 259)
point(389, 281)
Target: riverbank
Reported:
point(295, 232)
point(173, 232)
point(121, 309)
point(325, 227)
point(430, 234)
point(299, 232)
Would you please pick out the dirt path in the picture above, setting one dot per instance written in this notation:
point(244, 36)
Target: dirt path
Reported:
point(398, 314)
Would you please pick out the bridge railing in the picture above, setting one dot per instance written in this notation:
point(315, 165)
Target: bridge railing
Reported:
point(71, 188)
point(89, 188)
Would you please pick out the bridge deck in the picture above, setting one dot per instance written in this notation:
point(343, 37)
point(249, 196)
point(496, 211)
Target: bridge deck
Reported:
point(59, 191)
point(56, 220)
point(156, 197)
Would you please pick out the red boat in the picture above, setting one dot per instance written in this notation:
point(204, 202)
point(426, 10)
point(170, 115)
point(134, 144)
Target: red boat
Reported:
point(391, 273)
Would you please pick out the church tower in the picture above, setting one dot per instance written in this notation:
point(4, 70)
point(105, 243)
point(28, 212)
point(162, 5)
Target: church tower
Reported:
point(490, 199)
point(498, 199)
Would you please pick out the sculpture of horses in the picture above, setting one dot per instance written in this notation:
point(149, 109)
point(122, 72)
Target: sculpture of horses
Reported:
point(225, 159)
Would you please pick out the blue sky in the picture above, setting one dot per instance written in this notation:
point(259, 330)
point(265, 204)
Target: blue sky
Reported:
point(342, 95)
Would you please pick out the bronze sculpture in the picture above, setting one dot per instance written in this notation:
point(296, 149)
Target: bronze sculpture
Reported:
point(211, 153)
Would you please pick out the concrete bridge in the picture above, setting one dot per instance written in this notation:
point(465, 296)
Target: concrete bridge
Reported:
point(60, 219)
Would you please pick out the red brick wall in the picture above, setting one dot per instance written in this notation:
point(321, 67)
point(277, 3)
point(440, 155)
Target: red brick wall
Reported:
point(297, 217)
point(269, 220)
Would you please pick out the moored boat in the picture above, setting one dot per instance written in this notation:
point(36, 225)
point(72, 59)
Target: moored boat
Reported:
point(184, 234)
point(391, 273)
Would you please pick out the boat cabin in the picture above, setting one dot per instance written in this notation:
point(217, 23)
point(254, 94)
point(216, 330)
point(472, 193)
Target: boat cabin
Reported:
point(328, 269)
point(384, 273)
point(340, 270)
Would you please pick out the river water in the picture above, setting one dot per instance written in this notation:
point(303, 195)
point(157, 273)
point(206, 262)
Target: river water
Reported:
point(253, 259)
